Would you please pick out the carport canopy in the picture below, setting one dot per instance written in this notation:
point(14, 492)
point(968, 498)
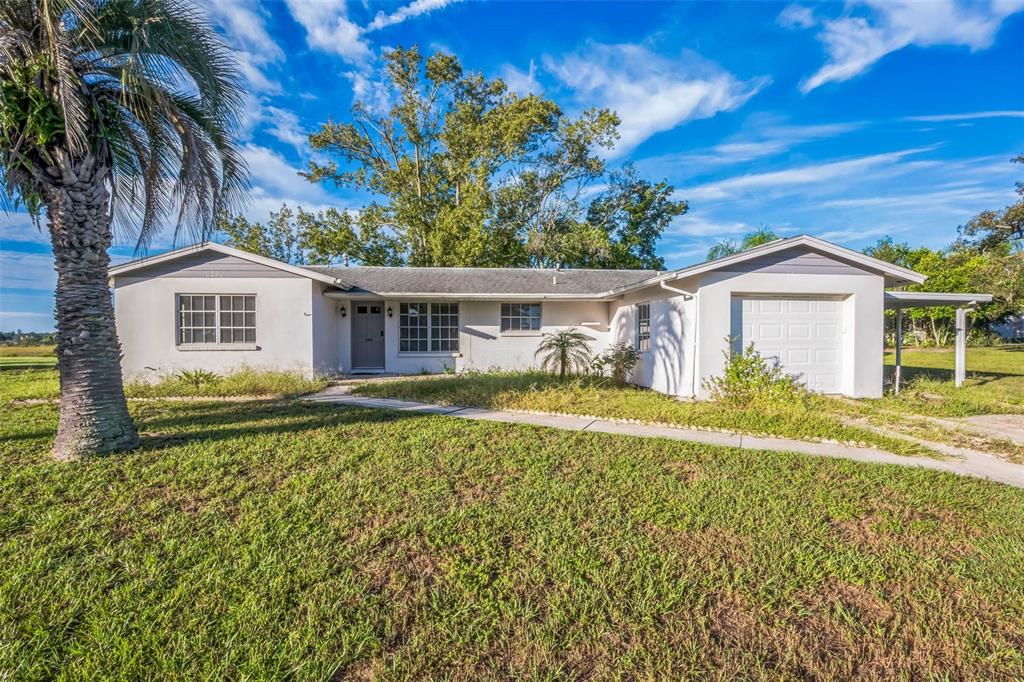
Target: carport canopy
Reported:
point(898, 300)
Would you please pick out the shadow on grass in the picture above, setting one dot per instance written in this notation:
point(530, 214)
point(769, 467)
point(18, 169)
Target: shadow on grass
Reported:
point(239, 420)
point(942, 374)
point(174, 424)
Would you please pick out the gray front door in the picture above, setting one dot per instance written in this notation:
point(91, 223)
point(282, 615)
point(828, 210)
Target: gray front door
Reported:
point(368, 335)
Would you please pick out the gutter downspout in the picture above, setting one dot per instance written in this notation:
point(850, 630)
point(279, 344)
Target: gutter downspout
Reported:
point(687, 294)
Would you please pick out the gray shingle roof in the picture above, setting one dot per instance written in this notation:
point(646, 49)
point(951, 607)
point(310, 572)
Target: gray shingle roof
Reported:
point(440, 281)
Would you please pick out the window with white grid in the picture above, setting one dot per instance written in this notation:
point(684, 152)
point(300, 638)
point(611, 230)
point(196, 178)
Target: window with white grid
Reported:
point(520, 317)
point(216, 318)
point(643, 327)
point(432, 327)
point(444, 327)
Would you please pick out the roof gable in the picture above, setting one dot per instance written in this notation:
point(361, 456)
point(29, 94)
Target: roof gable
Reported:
point(192, 257)
point(893, 274)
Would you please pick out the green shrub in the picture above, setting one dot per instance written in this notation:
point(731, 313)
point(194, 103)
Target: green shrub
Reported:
point(244, 382)
point(749, 377)
point(197, 378)
point(619, 360)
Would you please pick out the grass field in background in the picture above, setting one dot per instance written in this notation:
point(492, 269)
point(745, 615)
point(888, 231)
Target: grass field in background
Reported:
point(994, 383)
point(26, 351)
point(283, 539)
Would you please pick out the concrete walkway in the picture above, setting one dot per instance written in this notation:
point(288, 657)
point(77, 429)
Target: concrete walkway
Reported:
point(967, 462)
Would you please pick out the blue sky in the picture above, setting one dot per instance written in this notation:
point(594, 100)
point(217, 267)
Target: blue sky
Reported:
point(847, 121)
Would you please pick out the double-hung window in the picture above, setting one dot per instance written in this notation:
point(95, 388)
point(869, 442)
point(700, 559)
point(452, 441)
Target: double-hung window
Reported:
point(428, 327)
point(643, 327)
point(520, 317)
point(216, 319)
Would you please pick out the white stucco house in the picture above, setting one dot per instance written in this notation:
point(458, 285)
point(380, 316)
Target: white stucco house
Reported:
point(815, 306)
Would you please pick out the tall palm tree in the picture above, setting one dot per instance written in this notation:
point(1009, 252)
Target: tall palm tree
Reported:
point(566, 349)
point(113, 113)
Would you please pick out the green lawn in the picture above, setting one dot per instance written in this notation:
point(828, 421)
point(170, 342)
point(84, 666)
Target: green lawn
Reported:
point(274, 539)
point(994, 384)
point(601, 397)
point(45, 383)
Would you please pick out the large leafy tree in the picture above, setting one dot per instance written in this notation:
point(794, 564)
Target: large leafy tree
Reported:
point(114, 113)
point(464, 172)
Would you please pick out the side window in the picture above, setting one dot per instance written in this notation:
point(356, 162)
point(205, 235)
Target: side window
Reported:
point(517, 317)
point(643, 327)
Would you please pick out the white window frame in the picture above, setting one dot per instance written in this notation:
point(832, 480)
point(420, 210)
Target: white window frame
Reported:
point(429, 344)
point(643, 327)
point(218, 327)
point(505, 318)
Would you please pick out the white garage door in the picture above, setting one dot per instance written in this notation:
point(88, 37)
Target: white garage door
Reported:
point(803, 333)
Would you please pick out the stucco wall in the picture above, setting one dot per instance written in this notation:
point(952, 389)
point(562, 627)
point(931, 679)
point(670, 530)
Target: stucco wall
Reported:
point(482, 346)
point(668, 366)
point(862, 320)
point(326, 337)
point(147, 325)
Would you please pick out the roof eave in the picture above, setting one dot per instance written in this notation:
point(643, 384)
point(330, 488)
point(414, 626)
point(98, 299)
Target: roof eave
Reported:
point(898, 274)
point(132, 266)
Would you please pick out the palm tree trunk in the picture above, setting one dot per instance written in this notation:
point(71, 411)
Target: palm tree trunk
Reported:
point(93, 410)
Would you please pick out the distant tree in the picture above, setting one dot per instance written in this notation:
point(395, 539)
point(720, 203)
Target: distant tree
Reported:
point(723, 248)
point(727, 247)
point(989, 229)
point(962, 267)
point(321, 238)
point(275, 239)
point(566, 350)
point(112, 113)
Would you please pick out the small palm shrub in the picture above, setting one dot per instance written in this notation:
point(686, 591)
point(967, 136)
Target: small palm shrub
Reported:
point(619, 360)
point(197, 378)
point(567, 350)
point(750, 377)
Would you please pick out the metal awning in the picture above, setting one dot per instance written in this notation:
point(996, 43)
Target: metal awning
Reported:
point(928, 299)
point(898, 300)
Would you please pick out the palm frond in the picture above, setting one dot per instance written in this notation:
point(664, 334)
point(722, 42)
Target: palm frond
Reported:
point(145, 86)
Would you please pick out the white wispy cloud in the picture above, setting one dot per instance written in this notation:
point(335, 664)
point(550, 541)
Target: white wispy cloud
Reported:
point(413, 9)
point(968, 116)
point(521, 82)
point(243, 23)
point(285, 126)
point(329, 28)
point(797, 16)
point(651, 93)
point(799, 177)
point(871, 29)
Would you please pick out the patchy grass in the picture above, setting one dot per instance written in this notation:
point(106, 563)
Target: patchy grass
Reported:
point(245, 382)
point(600, 397)
point(994, 383)
point(29, 384)
point(270, 540)
point(45, 384)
